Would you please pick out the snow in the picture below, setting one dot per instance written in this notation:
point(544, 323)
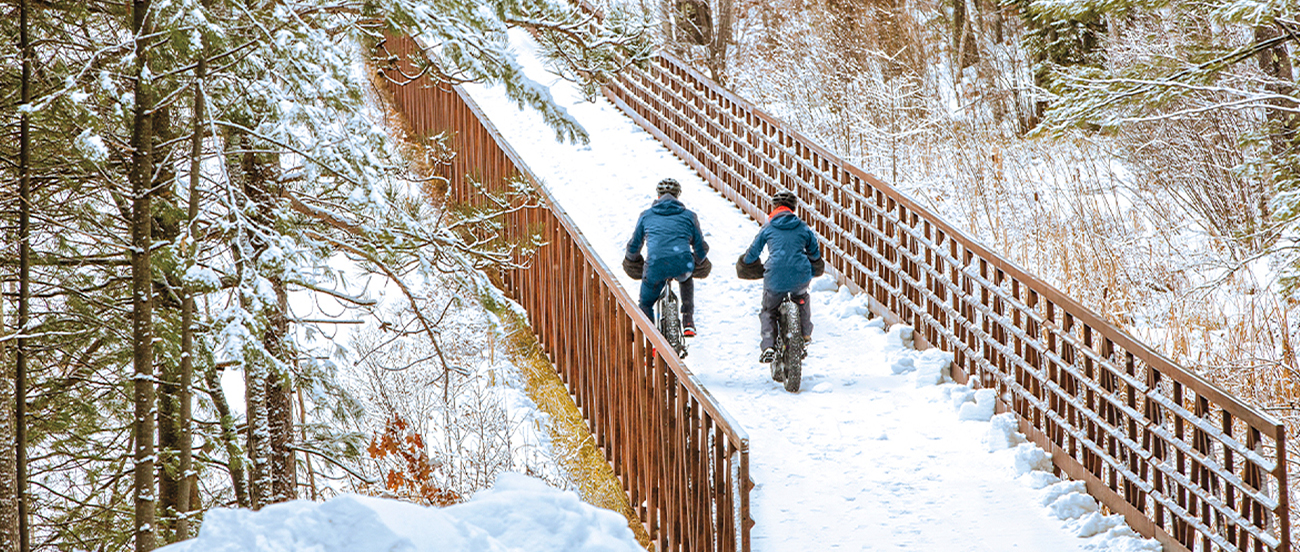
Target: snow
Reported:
point(880, 450)
point(202, 277)
point(92, 146)
point(519, 514)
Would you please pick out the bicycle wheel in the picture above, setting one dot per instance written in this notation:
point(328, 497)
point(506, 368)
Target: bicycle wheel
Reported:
point(791, 352)
point(670, 320)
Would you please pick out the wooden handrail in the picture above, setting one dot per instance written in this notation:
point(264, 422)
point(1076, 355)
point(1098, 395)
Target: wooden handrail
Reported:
point(682, 460)
point(1184, 461)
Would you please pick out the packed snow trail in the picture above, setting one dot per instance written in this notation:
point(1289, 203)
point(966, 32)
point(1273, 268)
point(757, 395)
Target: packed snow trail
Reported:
point(877, 452)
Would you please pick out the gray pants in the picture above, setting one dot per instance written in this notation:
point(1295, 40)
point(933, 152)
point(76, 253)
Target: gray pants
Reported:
point(772, 310)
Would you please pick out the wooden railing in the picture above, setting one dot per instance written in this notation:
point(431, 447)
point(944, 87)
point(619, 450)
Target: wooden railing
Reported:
point(1183, 461)
point(683, 461)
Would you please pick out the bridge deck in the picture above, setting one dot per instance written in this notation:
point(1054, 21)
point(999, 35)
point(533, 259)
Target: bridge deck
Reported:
point(862, 458)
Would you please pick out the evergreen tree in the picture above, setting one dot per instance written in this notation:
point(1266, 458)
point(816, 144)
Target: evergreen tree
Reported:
point(133, 110)
point(1211, 81)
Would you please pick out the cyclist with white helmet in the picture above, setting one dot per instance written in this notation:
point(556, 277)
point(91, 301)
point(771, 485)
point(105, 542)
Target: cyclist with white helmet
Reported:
point(675, 249)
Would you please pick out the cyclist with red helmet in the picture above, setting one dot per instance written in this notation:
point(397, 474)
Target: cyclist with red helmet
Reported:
point(793, 259)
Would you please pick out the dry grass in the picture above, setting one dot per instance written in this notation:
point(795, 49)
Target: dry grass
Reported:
point(1149, 226)
point(575, 447)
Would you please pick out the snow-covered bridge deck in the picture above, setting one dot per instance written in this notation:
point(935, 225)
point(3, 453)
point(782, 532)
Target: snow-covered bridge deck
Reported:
point(872, 454)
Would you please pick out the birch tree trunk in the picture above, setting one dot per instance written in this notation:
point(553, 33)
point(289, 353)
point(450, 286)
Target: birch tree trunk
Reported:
point(141, 177)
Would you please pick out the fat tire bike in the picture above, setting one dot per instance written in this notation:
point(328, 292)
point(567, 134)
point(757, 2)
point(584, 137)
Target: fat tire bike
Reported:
point(668, 310)
point(787, 364)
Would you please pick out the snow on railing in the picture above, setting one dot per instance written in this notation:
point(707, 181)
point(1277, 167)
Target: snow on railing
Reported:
point(683, 461)
point(1185, 462)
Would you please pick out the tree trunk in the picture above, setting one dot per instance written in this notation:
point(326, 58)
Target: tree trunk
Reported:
point(721, 38)
point(999, 23)
point(966, 52)
point(248, 174)
point(170, 440)
point(24, 282)
point(229, 437)
point(185, 460)
point(8, 450)
point(306, 459)
point(668, 22)
point(239, 161)
point(262, 183)
point(258, 434)
point(278, 400)
point(142, 286)
point(279, 407)
point(958, 25)
point(1276, 63)
point(174, 433)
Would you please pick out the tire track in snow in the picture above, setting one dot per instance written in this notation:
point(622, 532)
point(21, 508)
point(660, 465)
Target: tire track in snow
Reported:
point(862, 458)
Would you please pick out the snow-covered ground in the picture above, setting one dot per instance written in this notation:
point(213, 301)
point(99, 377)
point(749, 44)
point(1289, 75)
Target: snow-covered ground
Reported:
point(519, 513)
point(879, 451)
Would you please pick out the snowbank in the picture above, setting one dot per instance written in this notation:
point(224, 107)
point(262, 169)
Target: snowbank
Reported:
point(519, 514)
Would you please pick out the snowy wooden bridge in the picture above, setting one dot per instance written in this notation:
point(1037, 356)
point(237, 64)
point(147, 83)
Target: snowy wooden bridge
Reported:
point(1182, 461)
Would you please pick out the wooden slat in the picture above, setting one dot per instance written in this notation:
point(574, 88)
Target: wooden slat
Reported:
point(1146, 434)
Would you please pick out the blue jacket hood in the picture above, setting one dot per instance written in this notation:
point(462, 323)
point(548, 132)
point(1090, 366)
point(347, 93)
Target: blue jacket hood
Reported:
point(791, 248)
point(672, 238)
point(667, 205)
point(786, 221)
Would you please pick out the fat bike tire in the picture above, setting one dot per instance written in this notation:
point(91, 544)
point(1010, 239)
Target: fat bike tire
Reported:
point(670, 323)
point(791, 354)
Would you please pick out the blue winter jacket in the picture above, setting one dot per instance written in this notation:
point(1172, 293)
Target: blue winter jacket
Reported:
point(672, 238)
point(791, 248)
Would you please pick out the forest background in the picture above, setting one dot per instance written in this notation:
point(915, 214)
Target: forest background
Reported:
point(200, 192)
point(1139, 155)
point(174, 170)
